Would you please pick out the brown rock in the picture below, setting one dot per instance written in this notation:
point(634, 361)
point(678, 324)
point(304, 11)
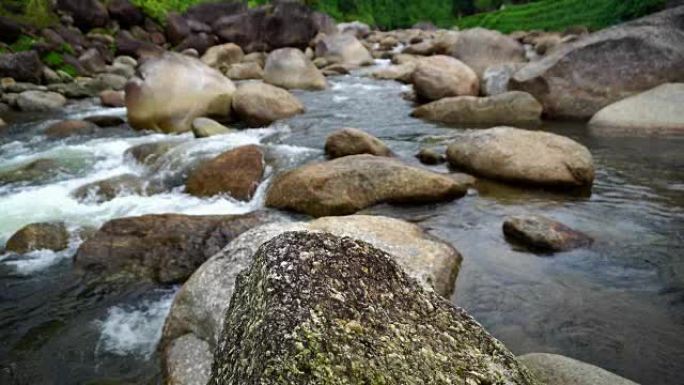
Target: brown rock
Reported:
point(68, 128)
point(441, 76)
point(544, 234)
point(352, 141)
point(38, 236)
point(260, 104)
point(110, 98)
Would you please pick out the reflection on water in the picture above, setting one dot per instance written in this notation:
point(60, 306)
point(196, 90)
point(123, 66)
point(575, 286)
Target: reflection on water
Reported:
point(618, 304)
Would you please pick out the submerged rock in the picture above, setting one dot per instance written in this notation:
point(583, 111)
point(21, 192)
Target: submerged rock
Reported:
point(205, 127)
point(543, 234)
point(655, 111)
point(430, 156)
point(508, 108)
point(349, 184)
point(260, 104)
point(289, 68)
point(578, 79)
point(67, 128)
point(39, 236)
point(107, 189)
point(437, 77)
point(522, 156)
point(316, 308)
point(37, 170)
point(352, 141)
point(149, 153)
point(174, 90)
point(237, 173)
point(555, 369)
point(165, 248)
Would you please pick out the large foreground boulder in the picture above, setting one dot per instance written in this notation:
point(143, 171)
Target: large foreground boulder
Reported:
point(343, 48)
point(578, 79)
point(554, 369)
point(480, 48)
point(543, 234)
point(164, 248)
point(349, 184)
point(289, 68)
point(508, 108)
point(317, 308)
point(437, 77)
point(655, 111)
point(21, 66)
point(259, 104)
point(175, 89)
point(39, 236)
point(236, 172)
point(525, 157)
point(352, 141)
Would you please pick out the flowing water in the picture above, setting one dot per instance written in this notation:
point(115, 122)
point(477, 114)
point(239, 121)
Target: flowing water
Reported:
point(618, 304)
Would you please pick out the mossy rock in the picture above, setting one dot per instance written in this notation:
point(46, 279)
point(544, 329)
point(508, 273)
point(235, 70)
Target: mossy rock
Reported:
point(315, 308)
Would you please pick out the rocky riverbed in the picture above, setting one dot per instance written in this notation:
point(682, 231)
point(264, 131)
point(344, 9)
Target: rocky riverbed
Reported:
point(130, 218)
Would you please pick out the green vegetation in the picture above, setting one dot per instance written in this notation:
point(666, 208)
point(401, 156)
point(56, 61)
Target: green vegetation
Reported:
point(159, 8)
point(34, 12)
point(556, 15)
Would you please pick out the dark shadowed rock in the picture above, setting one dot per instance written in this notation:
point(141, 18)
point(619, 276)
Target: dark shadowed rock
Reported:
point(21, 66)
point(260, 104)
point(237, 173)
point(430, 156)
point(554, 369)
point(67, 128)
point(209, 12)
point(302, 315)
point(127, 45)
point(633, 57)
point(200, 42)
point(522, 156)
point(39, 236)
point(9, 30)
point(512, 107)
point(87, 14)
point(543, 234)
point(352, 141)
point(177, 28)
point(125, 13)
point(108, 189)
point(346, 185)
point(165, 248)
point(105, 120)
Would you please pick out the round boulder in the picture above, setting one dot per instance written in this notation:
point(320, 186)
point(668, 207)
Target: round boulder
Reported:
point(525, 157)
point(289, 68)
point(480, 48)
point(352, 141)
point(205, 127)
point(343, 48)
point(40, 101)
point(223, 55)
point(67, 128)
point(441, 76)
point(260, 104)
point(39, 236)
point(560, 370)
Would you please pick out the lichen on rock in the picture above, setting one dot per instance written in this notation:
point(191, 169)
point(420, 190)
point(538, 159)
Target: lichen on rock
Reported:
point(315, 308)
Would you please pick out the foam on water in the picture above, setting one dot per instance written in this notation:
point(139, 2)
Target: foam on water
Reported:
point(134, 329)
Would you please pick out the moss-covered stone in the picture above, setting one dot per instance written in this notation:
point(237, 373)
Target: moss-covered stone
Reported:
point(315, 308)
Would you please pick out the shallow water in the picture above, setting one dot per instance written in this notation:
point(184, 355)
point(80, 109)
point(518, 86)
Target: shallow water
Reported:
point(618, 304)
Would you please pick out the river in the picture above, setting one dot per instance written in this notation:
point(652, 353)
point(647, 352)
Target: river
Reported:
point(618, 304)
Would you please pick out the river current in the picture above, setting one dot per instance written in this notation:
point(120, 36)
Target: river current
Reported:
point(618, 304)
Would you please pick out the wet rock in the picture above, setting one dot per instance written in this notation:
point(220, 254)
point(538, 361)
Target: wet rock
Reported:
point(569, 83)
point(205, 127)
point(512, 107)
point(480, 48)
point(164, 248)
point(245, 71)
point(441, 76)
point(655, 111)
point(346, 185)
point(332, 318)
point(526, 157)
point(174, 90)
point(543, 234)
point(200, 42)
point(430, 156)
point(237, 173)
point(223, 55)
point(111, 98)
point(177, 28)
point(352, 141)
point(87, 14)
point(39, 101)
point(108, 189)
point(21, 66)
point(39, 236)
point(401, 72)
point(560, 370)
point(105, 120)
point(187, 361)
point(343, 48)
point(149, 153)
point(125, 13)
point(67, 128)
point(290, 69)
point(261, 104)
point(39, 169)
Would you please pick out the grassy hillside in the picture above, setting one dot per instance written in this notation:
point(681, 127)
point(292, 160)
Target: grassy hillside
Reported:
point(556, 15)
